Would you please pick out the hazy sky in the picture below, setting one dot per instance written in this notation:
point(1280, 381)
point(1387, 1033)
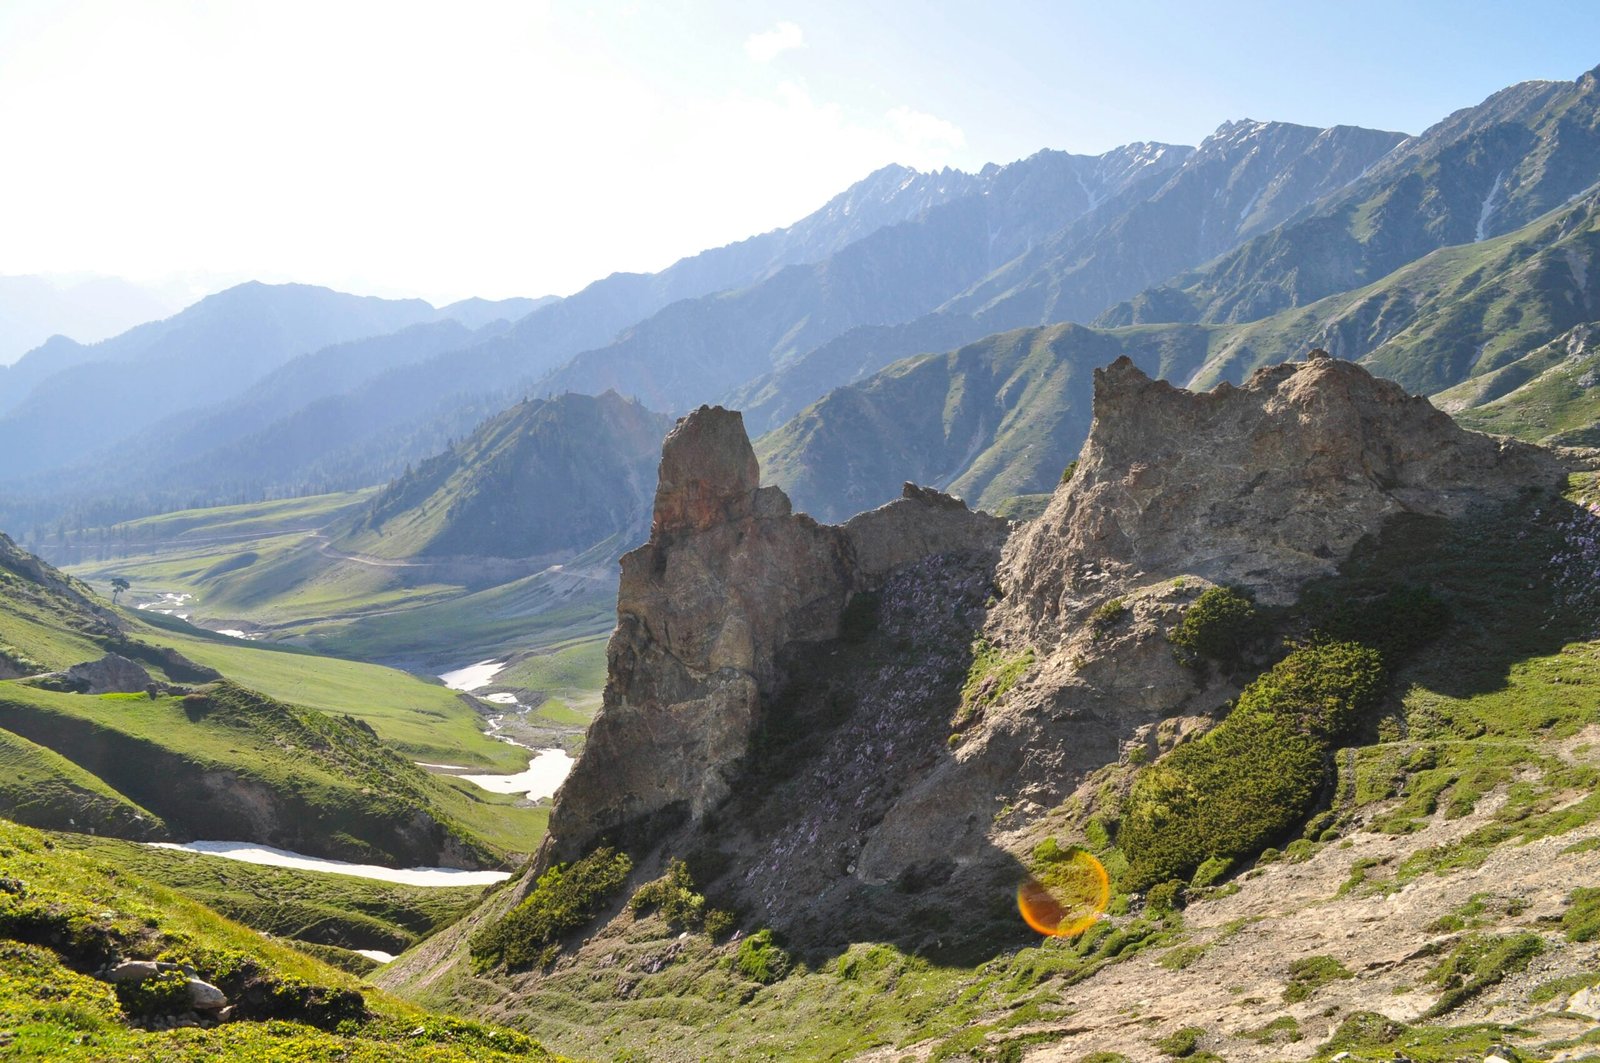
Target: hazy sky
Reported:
point(518, 148)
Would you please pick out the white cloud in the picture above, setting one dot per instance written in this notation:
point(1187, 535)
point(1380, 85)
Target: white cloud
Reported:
point(926, 131)
point(765, 47)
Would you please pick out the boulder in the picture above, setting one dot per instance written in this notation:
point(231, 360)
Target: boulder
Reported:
point(111, 674)
point(203, 996)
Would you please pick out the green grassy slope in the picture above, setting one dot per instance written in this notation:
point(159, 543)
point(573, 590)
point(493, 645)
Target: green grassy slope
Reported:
point(339, 911)
point(543, 478)
point(1552, 395)
point(421, 719)
point(41, 788)
point(228, 763)
point(64, 914)
point(997, 418)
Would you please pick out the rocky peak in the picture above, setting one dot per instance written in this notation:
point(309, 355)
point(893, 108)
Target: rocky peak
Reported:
point(729, 580)
point(1264, 485)
point(709, 473)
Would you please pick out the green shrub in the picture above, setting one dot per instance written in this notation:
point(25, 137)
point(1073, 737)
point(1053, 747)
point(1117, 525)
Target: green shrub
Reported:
point(1478, 962)
point(1254, 776)
point(1211, 872)
point(760, 959)
point(673, 896)
point(718, 923)
point(1581, 920)
point(565, 897)
point(1221, 626)
point(1066, 474)
point(1180, 1043)
point(1165, 896)
point(1108, 615)
point(1311, 973)
point(164, 993)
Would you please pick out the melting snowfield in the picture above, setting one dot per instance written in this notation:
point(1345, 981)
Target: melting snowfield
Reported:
point(251, 853)
point(473, 676)
point(543, 775)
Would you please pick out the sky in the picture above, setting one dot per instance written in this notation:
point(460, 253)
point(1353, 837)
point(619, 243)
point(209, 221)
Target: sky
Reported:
point(496, 148)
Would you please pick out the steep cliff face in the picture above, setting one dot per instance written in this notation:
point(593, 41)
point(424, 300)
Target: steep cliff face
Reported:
point(729, 582)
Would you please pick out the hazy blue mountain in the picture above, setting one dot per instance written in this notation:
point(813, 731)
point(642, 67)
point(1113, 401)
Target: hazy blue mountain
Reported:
point(88, 309)
point(1244, 178)
point(476, 313)
point(697, 350)
point(594, 316)
point(1501, 331)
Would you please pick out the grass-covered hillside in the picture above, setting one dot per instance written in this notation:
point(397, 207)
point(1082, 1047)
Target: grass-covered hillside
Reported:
point(328, 915)
point(66, 915)
point(546, 477)
point(229, 763)
point(291, 749)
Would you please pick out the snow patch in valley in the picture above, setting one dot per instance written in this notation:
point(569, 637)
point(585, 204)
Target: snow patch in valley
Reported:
point(375, 954)
point(543, 776)
point(473, 676)
point(250, 853)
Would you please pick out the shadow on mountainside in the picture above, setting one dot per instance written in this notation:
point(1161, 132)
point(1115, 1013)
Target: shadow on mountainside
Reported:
point(1522, 582)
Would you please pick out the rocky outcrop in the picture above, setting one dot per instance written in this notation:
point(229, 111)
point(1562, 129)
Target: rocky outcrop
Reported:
point(111, 674)
point(1264, 485)
point(729, 579)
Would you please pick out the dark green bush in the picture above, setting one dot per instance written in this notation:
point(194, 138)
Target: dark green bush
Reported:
point(718, 923)
point(164, 993)
point(565, 897)
point(1254, 776)
point(1310, 973)
point(860, 617)
point(1220, 626)
point(673, 896)
point(760, 959)
point(1108, 615)
point(1165, 896)
point(1400, 622)
point(1180, 1043)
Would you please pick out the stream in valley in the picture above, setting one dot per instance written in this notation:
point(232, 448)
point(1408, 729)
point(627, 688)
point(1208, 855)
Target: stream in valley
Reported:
point(547, 768)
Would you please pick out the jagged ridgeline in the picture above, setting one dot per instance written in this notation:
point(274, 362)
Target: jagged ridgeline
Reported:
point(1272, 653)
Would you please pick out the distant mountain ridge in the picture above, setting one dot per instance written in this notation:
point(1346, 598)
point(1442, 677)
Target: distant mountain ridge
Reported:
point(1481, 172)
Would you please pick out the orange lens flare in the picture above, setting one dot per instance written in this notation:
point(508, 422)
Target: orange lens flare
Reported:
point(1065, 897)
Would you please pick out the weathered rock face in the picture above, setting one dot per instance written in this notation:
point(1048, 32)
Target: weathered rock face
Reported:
point(729, 579)
point(111, 674)
point(1264, 485)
